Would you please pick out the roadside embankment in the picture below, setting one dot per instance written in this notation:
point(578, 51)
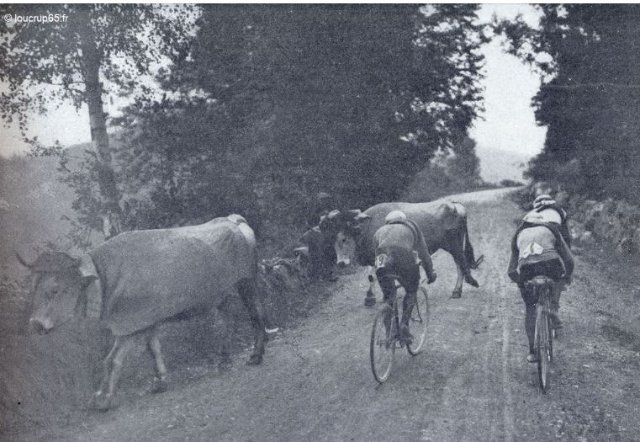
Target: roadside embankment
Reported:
point(613, 223)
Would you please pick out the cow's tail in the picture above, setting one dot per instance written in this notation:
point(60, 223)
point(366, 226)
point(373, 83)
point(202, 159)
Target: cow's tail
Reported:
point(467, 248)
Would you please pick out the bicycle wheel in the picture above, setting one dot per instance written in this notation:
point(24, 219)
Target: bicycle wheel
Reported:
point(383, 344)
point(542, 346)
point(418, 322)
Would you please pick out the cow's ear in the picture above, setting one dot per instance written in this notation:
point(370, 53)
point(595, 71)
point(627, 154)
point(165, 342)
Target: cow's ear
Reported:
point(361, 217)
point(357, 217)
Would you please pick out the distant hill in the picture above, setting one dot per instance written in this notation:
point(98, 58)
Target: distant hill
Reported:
point(497, 165)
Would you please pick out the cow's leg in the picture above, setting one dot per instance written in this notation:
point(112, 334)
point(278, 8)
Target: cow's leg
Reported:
point(113, 365)
point(160, 380)
point(370, 298)
point(228, 330)
point(106, 366)
point(457, 290)
point(248, 294)
point(455, 246)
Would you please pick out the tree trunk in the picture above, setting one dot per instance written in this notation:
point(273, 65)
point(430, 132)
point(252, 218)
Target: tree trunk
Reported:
point(91, 59)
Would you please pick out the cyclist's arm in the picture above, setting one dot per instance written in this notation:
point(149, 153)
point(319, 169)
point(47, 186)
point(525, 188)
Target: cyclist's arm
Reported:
point(513, 262)
point(423, 253)
point(564, 227)
point(565, 254)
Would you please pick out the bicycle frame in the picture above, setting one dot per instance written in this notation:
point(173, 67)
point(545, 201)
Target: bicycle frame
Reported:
point(543, 337)
point(395, 313)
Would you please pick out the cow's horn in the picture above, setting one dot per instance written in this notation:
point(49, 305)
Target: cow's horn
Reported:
point(361, 216)
point(22, 261)
point(333, 214)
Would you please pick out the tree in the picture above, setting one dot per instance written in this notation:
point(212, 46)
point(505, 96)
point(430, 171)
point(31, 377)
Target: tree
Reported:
point(590, 97)
point(77, 53)
point(277, 102)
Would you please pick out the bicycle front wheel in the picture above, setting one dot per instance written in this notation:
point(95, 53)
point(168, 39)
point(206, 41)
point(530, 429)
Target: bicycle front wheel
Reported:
point(418, 322)
point(383, 344)
point(543, 348)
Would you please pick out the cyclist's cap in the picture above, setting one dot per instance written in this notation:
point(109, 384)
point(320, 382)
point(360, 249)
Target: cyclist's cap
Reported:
point(542, 200)
point(395, 216)
point(543, 216)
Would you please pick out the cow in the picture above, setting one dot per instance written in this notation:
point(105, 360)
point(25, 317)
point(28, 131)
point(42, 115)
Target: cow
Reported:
point(443, 224)
point(146, 277)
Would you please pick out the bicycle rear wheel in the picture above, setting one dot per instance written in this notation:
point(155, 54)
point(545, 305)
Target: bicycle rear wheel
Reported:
point(383, 344)
point(418, 322)
point(542, 346)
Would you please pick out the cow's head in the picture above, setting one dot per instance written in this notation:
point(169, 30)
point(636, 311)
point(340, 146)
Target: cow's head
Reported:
point(344, 229)
point(58, 283)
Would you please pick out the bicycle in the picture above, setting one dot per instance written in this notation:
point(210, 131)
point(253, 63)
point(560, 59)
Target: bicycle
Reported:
point(385, 333)
point(544, 332)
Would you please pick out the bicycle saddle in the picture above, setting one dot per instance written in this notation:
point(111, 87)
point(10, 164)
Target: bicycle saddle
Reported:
point(539, 281)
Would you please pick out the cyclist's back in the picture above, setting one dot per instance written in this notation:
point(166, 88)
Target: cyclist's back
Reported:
point(537, 254)
point(538, 247)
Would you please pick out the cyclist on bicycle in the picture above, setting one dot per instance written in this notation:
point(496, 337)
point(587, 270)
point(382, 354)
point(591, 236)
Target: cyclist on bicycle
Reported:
point(400, 249)
point(539, 248)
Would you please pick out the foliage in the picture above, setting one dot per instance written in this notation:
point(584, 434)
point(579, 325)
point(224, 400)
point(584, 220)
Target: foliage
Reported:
point(511, 183)
point(40, 150)
point(274, 103)
point(80, 53)
point(591, 97)
point(448, 172)
point(36, 54)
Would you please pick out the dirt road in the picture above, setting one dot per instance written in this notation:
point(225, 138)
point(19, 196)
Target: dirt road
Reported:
point(472, 383)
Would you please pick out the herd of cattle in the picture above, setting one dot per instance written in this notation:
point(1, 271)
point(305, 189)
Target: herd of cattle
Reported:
point(146, 277)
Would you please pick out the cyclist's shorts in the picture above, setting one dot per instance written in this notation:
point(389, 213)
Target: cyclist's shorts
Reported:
point(400, 262)
point(552, 268)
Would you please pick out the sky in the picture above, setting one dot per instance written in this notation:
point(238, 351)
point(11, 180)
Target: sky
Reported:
point(507, 124)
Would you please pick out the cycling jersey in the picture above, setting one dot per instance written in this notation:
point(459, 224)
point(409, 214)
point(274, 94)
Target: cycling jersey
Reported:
point(537, 243)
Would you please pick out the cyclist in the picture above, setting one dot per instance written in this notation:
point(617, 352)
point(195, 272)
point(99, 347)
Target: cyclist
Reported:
point(539, 248)
point(400, 248)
